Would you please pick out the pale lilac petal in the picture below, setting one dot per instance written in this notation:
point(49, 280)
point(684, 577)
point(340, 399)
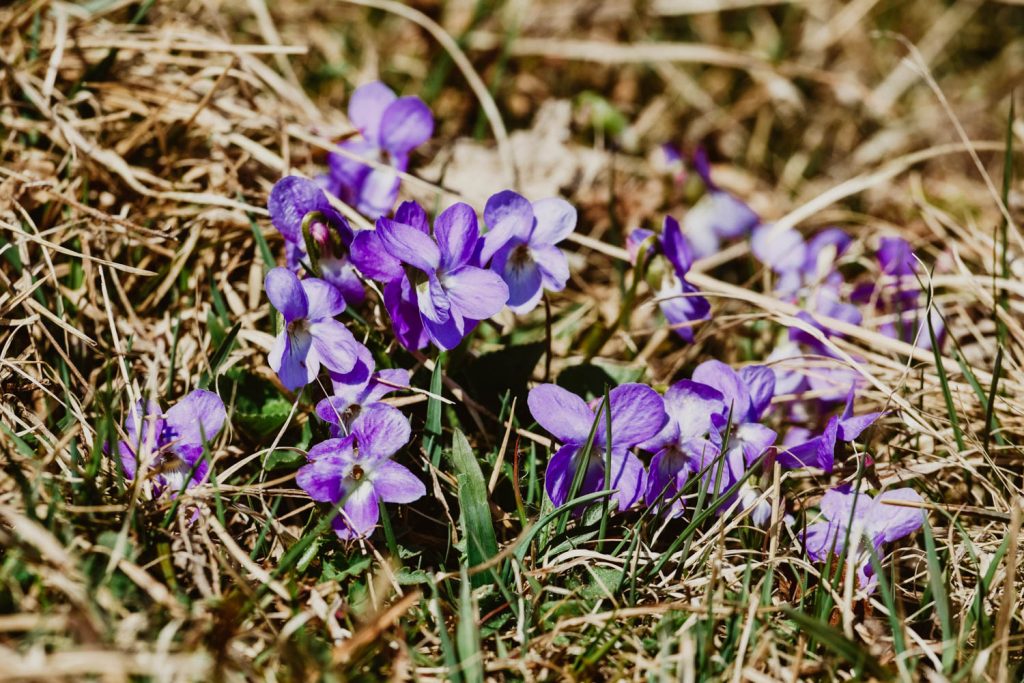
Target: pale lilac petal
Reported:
point(477, 294)
point(348, 174)
point(411, 213)
point(286, 294)
point(294, 360)
point(803, 454)
point(360, 513)
point(628, 478)
point(341, 274)
point(559, 474)
point(522, 278)
point(787, 379)
point(780, 250)
point(554, 267)
point(457, 233)
point(866, 579)
point(149, 414)
point(754, 439)
point(128, 459)
point(290, 200)
point(690, 405)
point(894, 522)
point(555, 219)
point(561, 412)
point(682, 307)
point(372, 259)
point(197, 417)
point(332, 410)
point(508, 216)
point(731, 217)
point(760, 383)
point(383, 383)
point(669, 473)
point(822, 251)
point(322, 478)
point(378, 192)
point(636, 239)
point(336, 348)
point(394, 483)
point(446, 335)
point(638, 413)
point(677, 250)
point(840, 503)
point(380, 430)
point(351, 384)
point(409, 245)
point(324, 300)
point(403, 308)
point(821, 539)
point(827, 445)
point(407, 123)
point(434, 303)
point(698, 226)
point(896, 257)
point(851, 426)
point(750, 497)
point(727, 381)
point(366, 108)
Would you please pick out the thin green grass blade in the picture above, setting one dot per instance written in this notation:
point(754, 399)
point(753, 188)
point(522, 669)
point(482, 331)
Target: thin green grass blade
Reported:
point(937, 582)
point(432, 429)
point(471, 660)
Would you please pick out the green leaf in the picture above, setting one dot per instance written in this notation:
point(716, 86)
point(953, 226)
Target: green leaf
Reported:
point(474, 508)
point(283, 458)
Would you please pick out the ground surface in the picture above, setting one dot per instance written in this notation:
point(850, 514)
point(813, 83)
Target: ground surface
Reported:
point(139, 144)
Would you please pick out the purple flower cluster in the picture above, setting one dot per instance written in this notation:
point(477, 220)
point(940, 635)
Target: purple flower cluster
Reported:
point(708, 425)
point(171, 445)
point(357, 472)
point(677, 298)
point(440, 292)
point(438, 279)
point(718, 217)
point(391, 128)
point(854, 522)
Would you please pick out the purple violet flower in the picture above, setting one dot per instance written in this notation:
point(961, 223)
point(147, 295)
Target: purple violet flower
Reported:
point(358, 390)
point(637, 413)
point(172, 442)
point(800, 266)
point(717, 217)
point(683, 446)
point(899, 299)
point(522, 241)
point(358, 469)
point(677, 298)
point(451, 294)
point(671, 162)
point(293, 199)
point(862, 520)
point(391, 127)
point(746, 395)
point(311, 335)
point(801, 448)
